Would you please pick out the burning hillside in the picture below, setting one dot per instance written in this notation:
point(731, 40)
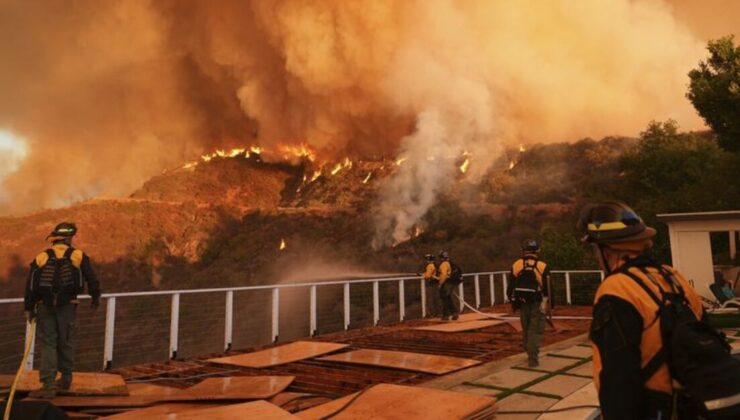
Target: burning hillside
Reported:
point(272, 207)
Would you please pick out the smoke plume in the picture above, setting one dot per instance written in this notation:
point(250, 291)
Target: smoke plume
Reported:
point(107, 94)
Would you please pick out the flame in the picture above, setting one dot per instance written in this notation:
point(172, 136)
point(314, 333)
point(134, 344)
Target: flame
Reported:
point(367, 178)
point(316, 175)
point(347, 163)
point(511, 165)
point(190, 165)
point(282, 245)
point(300, 151)
point(522, 149)
point(206, 158)
point(464, 166)
point(338, 167)
point(220, 153)
point(418, 231)
point(399, 162)
point(256, 150)
point(236, 152)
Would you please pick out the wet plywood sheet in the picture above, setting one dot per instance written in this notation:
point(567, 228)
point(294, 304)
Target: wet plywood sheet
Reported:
point(83, 383)
point(397, 402)
point(152, 390)
point(262, 410)
point(236, 388)
point(211, 389)
point(280, 355)
point(158, 410)
point(460, 326)
point(103, 401)
point(517, 325)
point(417, 362)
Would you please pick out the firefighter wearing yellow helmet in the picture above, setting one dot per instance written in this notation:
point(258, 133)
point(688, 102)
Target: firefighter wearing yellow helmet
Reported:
point(644, 313)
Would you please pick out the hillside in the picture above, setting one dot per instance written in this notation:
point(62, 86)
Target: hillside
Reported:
point(221, 222)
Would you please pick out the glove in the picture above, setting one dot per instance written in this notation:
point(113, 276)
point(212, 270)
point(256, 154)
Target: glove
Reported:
point(545, 305)
point(95, 303)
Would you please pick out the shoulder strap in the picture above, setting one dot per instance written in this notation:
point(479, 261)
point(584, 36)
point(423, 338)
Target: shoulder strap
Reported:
point(644, 287)
point(51, 254)
point(660, 357)
point(68, 252)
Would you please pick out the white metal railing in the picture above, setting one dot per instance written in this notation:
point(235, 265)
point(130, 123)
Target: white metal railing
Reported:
point(110, 315)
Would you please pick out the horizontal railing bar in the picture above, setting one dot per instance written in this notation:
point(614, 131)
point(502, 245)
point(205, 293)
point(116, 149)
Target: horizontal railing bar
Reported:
point(283, 286)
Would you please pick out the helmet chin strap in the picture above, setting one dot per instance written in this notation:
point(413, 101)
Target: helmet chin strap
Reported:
point(603, 261)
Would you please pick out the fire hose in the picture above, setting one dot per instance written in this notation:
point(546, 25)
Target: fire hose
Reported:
point(513, 318)
point(29, 342)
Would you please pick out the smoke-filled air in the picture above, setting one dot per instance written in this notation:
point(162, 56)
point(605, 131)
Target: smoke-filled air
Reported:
point(103, 94)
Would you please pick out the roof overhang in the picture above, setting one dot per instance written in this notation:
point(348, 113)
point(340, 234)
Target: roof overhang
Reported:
point(702, 216)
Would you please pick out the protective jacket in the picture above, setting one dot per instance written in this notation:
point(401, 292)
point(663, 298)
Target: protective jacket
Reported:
point(429, 271)
point(445, 269)
point(626, 337)
point(540, 269)
point(81, 273)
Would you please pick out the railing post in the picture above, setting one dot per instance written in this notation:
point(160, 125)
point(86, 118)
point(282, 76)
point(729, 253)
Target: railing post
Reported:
point(401, 301)
point(476, 283)
point(29, 360)
point(490, 288)
point(110, 328)
point(313, 311)
point(506, 298)
point(229, 320)
point(376, 304)
point(461, 297)
point(275, 314)
point(423, 298)
point(346, 306)
point(567, 287)
point(174, 324)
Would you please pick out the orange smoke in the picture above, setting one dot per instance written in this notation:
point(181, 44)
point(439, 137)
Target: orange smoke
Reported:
point(115, 92)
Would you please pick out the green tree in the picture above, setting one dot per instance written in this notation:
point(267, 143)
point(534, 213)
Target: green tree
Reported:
point(715, 91)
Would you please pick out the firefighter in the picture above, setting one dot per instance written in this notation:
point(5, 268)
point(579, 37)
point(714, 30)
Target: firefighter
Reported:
point(529, 293)
point(432, 286)
point(446, 288)
point(630, 370)
point(56, 277)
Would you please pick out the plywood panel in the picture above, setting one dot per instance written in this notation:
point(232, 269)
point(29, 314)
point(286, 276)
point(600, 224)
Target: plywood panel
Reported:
point(252, 410)
point(152, 390)
point(211, 389)
point(460, 326)
point(397, 402)
point(280, 355)
point(158, 410)
point(517, 325)
point(236, 388)
point(83, 383)
point(417, 362)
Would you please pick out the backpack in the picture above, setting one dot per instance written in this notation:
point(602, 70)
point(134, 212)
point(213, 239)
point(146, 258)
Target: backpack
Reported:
point(698, 356)
point(57, 276)
point(456, 274)
point(526, 287)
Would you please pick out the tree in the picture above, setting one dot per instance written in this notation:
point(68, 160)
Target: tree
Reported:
point(715, 91)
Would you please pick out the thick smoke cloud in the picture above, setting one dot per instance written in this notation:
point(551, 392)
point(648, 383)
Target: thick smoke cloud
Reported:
point(109, 93)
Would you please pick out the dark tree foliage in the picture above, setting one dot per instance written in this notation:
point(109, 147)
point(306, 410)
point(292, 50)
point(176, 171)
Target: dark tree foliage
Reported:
point(715, 91)
point(672, 172)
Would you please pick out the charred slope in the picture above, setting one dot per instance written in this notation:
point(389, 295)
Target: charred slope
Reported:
point(221, 222)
